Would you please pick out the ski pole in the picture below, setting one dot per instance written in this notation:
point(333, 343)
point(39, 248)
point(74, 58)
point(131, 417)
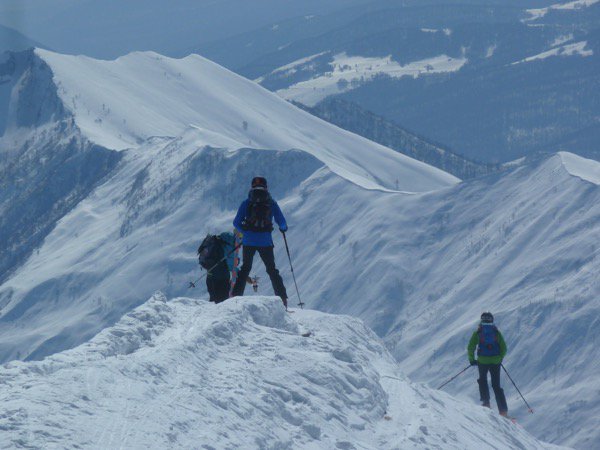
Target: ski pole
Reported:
point(455, 376)
point(193, 283)
point(292, 268)
point(514, 384)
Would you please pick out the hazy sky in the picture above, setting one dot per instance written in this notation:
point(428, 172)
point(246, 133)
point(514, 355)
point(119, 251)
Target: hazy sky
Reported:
point(110, 28)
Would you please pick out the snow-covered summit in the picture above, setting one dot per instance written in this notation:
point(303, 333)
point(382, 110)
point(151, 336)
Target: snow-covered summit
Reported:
point(243, 374)
point(119, 104)
point(584, 168)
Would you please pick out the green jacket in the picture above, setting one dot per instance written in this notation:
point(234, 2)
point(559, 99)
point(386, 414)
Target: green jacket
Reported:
point(486, 359)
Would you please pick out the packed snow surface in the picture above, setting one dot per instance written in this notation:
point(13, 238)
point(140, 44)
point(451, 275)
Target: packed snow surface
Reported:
point(119, 104)
point(242, 374)
point(348, 72)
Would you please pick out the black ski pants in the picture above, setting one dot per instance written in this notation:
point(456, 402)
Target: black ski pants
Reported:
point(268, 258)
point(484, 391)
point(218, 289)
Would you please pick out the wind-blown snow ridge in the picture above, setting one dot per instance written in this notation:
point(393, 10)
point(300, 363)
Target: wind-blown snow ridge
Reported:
point(586, 169)
point(189, 374)
point(119, 104)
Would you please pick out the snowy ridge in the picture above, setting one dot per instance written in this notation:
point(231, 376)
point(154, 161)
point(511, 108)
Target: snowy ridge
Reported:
point(119, 104)
point(586, 169)
point(186, 373)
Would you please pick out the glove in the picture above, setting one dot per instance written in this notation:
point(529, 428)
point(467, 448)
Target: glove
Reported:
point(283, 230)
point(474, 362)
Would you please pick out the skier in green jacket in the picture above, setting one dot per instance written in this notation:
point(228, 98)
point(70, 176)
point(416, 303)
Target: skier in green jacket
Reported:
point(491, 349)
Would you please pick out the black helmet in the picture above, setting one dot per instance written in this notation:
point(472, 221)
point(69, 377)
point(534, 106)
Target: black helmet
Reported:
point(259, 182)
point(487, 317)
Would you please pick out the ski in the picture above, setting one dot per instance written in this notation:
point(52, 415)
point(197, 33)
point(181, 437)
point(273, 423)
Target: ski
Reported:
point(236, 259)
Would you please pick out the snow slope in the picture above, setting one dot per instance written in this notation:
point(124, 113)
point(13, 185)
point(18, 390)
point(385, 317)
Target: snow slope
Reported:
point(137, 232)
point(523, 244)
point(577, 48)
point(349, 72)
point(188, 374)
point(119, 104)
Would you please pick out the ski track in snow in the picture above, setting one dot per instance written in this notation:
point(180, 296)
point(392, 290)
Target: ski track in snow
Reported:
point(189, 374)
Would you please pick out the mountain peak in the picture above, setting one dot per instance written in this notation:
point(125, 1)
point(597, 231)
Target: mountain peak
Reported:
point(578, 166)
point(119, 104)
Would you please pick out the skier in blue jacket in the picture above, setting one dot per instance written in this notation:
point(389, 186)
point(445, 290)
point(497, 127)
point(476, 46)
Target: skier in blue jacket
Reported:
point(255, 220)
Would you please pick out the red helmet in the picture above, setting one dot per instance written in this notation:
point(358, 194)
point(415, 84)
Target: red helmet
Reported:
point(259, 182)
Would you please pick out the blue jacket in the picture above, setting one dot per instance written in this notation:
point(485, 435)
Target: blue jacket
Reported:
point(258, 238)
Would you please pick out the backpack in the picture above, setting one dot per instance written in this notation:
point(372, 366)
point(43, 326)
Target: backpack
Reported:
point(259, 212)
point(210, 251)
point(489, 342)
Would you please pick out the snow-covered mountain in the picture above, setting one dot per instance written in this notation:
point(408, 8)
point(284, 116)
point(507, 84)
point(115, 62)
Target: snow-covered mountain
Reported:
point(197, 133)
point(523, 244)
point(184, 373)
point(128, 163)
point(494, 80)
point(119, 104)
